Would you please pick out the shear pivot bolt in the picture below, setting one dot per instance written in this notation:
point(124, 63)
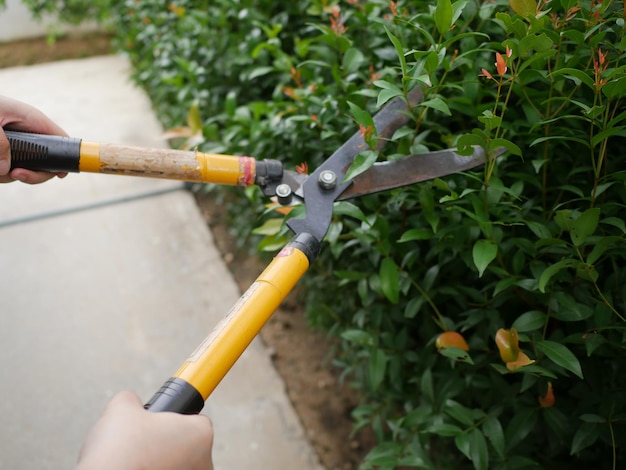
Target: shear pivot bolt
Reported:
point(283, 194)
point(327, 180)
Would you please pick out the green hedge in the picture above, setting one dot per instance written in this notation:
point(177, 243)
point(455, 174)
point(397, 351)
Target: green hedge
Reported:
point(529, 248)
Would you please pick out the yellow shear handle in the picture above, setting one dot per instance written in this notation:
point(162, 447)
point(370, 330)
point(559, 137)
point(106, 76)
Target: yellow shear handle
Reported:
point(182, 165)
point(194, 381)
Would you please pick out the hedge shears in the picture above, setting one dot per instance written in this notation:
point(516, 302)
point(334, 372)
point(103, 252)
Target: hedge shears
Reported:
point(190, 386)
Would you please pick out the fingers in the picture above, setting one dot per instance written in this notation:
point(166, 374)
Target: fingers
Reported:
point(20, 116)
point(30, 177)
point(127, 436)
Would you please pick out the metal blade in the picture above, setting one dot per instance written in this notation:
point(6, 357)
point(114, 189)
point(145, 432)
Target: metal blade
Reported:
point(318, 201)
point(413, 169)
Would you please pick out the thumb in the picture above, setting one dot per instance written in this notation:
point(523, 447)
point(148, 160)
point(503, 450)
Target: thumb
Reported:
point(125, 399)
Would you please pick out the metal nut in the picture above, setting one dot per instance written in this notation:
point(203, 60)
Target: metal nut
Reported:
point(327, 180)
point(283, 194)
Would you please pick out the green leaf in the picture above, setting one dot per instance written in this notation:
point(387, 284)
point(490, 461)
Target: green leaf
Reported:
point(438, 104)
point(504, 284)
point(501, 369)
point(490, 120)
point(478, 450)
point(615, 222)
point(386, 95)
point(558, 422)
point(361, 116)
point(382, 456)
point(430, 277)
point(539, 229)
point(535, 370)
point(561, 356)
point(377, 368)
point(507, 144)
point(273, 243)
point(390, 280)
point(578, 76)
point(493, 431)
point(362, 162)
point(530, 321)
point(462, 442)
point(269, 227)
point(615, 88)
point(413, 307)
point(467, 142)
point(456, 354)
point(586, 435)
point(483, 253)
point(388, 92)
point(416, 234)
point(584, 226)
point(551, 270)
point(524, 8)
point(567, 309)
point(591, 418)
point(357, 337)
point(426, 386)
point(535, 42)
point(399, 51)
point(459, 412)
point(601, 246)
point(346, 208)
point(387, 85)
point(458, 7)
point(565, 219)
point(593, 341)
point(259, 72)
point(352, 60)
point(443, 16)
point(444, 429)
point(520, 426)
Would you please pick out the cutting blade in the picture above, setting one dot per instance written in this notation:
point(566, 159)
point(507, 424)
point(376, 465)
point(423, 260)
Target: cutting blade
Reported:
point(413, 169)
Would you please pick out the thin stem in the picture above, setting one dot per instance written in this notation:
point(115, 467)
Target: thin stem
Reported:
point(613, 447)
point(440, 320)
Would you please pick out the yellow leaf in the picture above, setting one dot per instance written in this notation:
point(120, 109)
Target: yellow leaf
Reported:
point(194, 121)
point(451, 339)
point(508, 344)
point(548, 400)
point(521, 361)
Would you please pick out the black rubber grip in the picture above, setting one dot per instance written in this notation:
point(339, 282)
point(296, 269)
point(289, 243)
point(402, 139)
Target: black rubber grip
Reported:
point(307, 244)
point(43, 152)
point(178, 396)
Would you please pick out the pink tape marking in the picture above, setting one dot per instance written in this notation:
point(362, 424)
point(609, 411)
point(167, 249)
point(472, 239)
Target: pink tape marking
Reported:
point(247, 167)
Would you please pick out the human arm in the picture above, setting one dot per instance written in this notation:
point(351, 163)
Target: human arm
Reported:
point(22, 117)
point(127, 437)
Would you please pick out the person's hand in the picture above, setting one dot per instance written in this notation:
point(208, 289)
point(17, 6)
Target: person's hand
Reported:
point(22, 117)
point(127, 437)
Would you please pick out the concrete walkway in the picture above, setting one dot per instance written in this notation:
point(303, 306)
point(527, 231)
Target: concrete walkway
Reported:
point(108, 283)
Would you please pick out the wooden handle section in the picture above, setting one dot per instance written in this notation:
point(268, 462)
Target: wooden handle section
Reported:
point(167, 163)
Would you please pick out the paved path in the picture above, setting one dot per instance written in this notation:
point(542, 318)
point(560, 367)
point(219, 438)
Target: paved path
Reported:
point(109, 283)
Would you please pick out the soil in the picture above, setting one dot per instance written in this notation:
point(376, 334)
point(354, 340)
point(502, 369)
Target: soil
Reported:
point(37, 51)
point(301, 356)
